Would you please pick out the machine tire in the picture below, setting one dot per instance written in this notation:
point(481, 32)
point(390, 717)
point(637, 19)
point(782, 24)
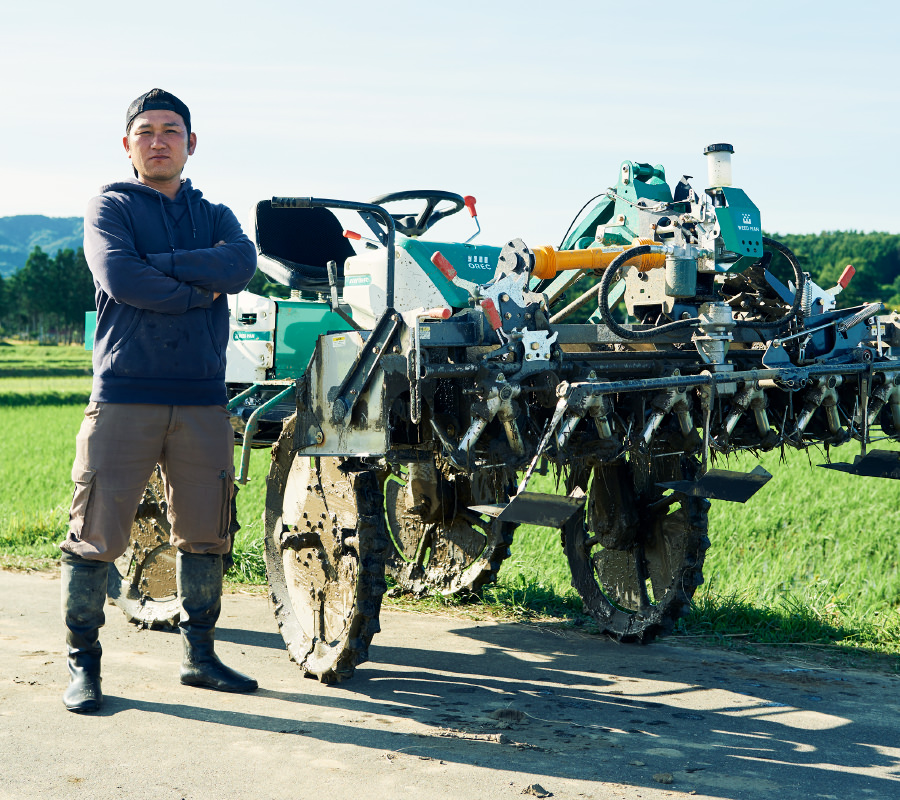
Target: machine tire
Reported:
point(325, 550)
point(142, 580)
point(457, 552)
point(636, 556)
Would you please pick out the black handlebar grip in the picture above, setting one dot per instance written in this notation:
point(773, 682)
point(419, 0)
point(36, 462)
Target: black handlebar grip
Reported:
point(291, 202)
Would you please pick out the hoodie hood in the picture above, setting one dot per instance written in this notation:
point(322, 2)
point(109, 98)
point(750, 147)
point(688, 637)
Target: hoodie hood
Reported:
point(172, 211)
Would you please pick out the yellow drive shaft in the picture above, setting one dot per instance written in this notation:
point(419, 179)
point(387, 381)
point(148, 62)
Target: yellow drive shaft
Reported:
point(549, 261)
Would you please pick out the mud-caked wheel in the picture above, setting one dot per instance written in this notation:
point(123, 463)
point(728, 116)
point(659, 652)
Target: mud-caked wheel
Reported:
point(325, 550)
point(438, 543)
point(142, 580)
point(636, 552)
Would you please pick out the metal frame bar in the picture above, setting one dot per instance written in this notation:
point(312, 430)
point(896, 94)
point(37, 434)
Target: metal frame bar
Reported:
point(252, 425)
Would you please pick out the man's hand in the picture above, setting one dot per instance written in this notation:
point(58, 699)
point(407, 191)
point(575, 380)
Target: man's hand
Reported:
point(216, 295)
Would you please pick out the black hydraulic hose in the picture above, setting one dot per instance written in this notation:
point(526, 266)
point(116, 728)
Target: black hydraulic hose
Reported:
point(613, 269)
point(603, 300)
point(799, 283)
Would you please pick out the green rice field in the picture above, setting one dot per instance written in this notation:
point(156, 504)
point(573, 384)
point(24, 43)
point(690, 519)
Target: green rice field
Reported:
point(813, 558)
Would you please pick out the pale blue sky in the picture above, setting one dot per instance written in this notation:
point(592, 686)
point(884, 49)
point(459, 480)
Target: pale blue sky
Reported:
point(530, 107)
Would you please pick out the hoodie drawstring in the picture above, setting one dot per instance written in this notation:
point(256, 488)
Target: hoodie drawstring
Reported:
point(165, 216)
point(187, 197)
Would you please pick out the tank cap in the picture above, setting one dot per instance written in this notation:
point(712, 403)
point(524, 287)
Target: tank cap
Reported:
point(721, 147)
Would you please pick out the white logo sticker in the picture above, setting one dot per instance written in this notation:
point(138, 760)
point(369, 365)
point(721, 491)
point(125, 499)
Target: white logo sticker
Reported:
point(479, 262)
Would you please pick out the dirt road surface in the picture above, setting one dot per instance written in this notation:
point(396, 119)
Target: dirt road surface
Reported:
point(447, 708)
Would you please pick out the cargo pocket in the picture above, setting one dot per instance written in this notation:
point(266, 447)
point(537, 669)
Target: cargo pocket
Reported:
point(81, 501)
point(227, 478)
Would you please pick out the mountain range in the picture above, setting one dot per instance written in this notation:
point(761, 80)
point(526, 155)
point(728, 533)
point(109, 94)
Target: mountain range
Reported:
point(20, 235)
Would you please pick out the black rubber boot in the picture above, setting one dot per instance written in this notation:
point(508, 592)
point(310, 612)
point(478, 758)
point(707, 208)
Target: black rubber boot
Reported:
point(83, 596)
point(200, 591)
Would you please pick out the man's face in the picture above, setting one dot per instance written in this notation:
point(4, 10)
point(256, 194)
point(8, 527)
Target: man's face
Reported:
point(158, 145)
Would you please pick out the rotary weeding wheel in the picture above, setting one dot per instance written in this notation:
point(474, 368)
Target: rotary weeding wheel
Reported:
point(440, 544)
point(636, 554)
point(142, 580)
point(325, 549)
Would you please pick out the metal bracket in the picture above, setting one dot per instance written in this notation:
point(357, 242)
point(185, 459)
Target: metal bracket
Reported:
point(776, 356)
point(331, 267)
point(372, 221)
point(357, 379)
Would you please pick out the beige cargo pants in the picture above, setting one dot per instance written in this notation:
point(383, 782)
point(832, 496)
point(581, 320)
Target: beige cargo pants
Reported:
point(116, 451)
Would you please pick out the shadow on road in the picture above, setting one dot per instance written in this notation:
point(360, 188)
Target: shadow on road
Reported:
point(250, 638)
point(575, 706)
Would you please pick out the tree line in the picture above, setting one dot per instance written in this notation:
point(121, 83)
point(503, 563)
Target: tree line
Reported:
point(875, 256)
point(47, 298)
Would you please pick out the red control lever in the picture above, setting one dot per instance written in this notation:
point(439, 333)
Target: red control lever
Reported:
point(490, 310)
point(470, 204)
point(846, 276)
point(443, 265)
point(352, 235)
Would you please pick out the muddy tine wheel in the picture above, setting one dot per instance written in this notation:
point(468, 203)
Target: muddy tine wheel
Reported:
point(444, 546)
point(325, 550)
point(636, 555)
point(142, 580)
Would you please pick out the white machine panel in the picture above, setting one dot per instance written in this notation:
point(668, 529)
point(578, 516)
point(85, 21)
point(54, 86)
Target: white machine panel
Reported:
point(251, 340)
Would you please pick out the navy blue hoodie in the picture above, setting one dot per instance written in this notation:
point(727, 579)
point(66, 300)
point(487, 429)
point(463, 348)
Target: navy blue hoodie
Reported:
point(160, 336)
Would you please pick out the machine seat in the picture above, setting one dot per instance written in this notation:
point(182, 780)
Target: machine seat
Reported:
point(297, 243)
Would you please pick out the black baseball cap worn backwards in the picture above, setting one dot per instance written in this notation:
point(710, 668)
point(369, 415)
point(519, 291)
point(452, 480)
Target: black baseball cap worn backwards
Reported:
point(157, 99)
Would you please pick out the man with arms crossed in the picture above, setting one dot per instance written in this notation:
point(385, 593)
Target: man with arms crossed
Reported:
point(163, 259)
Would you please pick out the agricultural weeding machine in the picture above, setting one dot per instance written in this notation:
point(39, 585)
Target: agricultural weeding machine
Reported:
point(411, 391)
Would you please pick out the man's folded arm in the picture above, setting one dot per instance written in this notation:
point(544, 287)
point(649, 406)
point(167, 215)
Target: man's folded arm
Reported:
point(226, 268)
